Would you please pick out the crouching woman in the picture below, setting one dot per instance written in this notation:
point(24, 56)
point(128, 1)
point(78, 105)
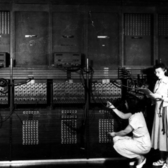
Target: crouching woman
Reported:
point(138, 143)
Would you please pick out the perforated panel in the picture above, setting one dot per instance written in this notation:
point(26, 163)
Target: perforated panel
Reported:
point(69, 126)
point(105, 126)
point(30, 128)
point(68, 135)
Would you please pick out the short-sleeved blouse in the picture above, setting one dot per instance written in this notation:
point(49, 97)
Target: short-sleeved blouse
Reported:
point(140, 130)
point(161, 87)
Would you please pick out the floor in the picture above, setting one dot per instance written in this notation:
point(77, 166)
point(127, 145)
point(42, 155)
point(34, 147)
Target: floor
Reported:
point(108, 162)
point(77, 163)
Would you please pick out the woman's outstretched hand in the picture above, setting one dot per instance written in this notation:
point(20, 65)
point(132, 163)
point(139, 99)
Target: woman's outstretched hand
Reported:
point(108, 104)
point(112, 134)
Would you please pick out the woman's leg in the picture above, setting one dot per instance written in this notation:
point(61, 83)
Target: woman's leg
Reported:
point(140, 159)
point(166, 163)
point(128, 147)
point(162, 155)
point(161, 161)
point(167, 158)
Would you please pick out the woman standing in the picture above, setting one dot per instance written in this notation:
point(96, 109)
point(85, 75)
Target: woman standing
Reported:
point(160, 125)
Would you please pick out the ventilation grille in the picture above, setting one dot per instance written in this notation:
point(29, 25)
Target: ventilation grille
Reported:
point(163, 24)
point(4, 23)
point(137, 24)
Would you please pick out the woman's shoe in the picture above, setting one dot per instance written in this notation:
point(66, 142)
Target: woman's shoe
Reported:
point(141, 164)
point(159, 163)
point(165, 165)
point(132, 163)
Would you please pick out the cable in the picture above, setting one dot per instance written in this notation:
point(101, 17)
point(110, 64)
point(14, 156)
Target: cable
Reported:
point(4, 83)
point(8, 117)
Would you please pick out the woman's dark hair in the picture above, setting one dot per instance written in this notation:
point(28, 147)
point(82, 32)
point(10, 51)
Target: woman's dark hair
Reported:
point(120, 104)
point(131, 104)
point(161, 65)
point(136, 105)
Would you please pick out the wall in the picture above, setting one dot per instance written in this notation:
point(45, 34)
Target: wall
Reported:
point(100, 33)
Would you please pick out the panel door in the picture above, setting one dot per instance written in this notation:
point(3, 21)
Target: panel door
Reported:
point(137, 39)
point(163, 37)
point(67, 32)
point(31, 38)
point(103, 39)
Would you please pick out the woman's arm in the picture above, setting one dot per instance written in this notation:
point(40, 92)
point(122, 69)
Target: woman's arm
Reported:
point(118, 112)
point(124, 132)
point(164, 99)
point(159, 97)
point(150, 94)
point(155, 96)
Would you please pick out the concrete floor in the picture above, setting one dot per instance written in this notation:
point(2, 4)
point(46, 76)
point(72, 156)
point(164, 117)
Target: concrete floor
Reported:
point(109, 162)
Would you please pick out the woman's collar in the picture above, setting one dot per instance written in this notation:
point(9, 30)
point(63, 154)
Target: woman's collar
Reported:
point(164, 79)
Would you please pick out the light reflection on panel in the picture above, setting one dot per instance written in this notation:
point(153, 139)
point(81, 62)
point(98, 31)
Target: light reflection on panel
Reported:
point(31, 93)
point(3, 97)
point(103, 92)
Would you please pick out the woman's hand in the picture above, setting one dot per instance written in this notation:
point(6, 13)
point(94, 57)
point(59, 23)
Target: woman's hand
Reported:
point(109, 105)
point(113, 134)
